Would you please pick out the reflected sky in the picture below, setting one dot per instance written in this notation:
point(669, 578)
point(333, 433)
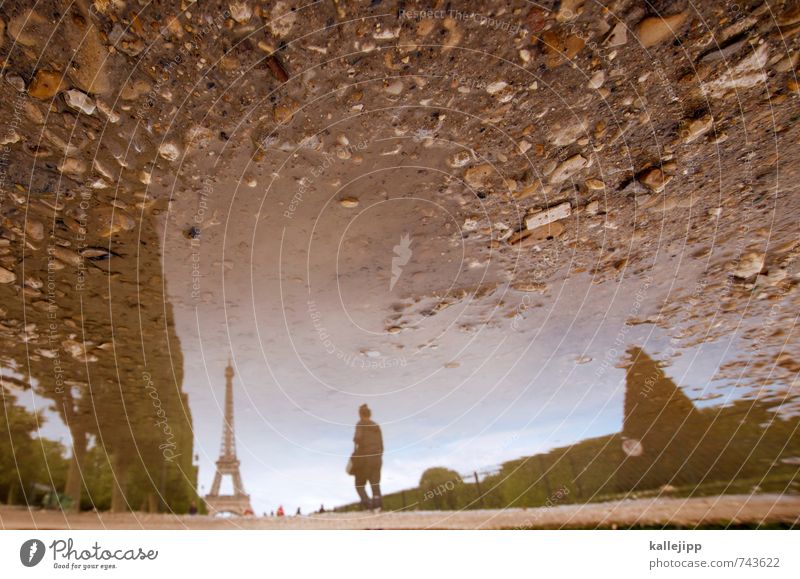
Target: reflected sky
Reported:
point(461, 368)
point(399, 301)
point(514, 393)
point(366, 226)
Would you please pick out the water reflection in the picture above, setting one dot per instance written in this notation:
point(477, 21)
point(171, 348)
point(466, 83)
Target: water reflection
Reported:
point(464, 254)
point(667, 446)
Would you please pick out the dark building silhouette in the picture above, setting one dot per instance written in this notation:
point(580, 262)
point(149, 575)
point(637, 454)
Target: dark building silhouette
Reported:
point(662, 431)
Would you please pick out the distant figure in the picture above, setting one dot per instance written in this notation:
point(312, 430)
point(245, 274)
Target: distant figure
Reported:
point(280, 510)
point(272, 513)
point(298, 513)
point(368, 459)
point(192, 508)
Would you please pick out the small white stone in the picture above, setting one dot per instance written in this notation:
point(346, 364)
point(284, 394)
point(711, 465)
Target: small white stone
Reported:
point(750, 264)
point(386, 34)
point(541, 218)
point(72, 166)
point(470, 225)
point(460, 159)
point(568, 168)
point(169, 151)
point(696, 128)
point(80, 101)
point(102, 169)
point(395, 88)
point(597, 80)
point(112, 116)
point(566, 131)
point(7, 276)
point(496, 87)
point(10, 138)
point(241, 12)
point(618, 36)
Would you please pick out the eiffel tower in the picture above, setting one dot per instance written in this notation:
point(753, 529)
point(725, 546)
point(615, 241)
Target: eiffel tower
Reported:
point(239, 502)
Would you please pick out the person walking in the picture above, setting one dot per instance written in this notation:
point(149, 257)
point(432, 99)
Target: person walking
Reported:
point(368, 459)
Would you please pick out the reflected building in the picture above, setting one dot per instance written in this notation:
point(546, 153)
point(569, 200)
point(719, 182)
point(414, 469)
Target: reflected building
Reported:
point(662, 431)
point(237, 502)
point(667, 440)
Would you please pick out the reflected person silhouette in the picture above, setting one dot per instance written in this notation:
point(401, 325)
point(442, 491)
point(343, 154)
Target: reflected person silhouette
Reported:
point(368, 459)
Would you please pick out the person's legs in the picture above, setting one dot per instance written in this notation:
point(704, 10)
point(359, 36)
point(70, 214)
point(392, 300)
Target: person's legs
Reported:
point(375, 483)
point(377, 499)
point(361, 482)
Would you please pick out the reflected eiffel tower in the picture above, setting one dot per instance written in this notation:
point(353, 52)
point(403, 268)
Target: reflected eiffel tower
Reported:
point(239, 502)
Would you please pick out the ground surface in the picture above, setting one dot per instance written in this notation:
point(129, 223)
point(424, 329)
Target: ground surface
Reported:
point(706, 511)
point(462, 215)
